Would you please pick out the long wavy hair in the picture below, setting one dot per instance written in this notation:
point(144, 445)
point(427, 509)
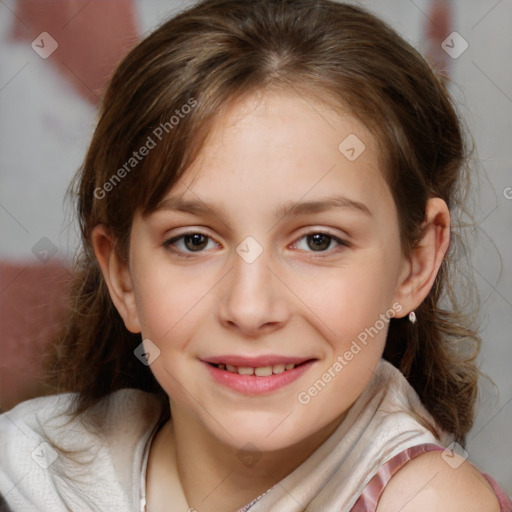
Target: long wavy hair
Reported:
point(215, 52)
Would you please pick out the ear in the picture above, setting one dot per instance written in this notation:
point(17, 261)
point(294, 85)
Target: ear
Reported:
point(426, 258)
point(117, 277)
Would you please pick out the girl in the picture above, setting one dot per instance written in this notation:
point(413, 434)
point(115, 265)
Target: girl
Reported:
point(261, 316)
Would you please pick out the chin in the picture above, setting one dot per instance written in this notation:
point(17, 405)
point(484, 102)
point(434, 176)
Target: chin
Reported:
point(262, 431)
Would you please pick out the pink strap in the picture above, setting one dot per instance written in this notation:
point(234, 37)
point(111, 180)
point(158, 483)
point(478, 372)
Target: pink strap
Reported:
point(368, 500)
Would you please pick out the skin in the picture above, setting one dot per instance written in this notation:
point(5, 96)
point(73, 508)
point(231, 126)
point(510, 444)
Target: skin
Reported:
point(265, 150)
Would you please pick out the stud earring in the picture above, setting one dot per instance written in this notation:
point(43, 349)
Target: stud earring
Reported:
point(412, 317)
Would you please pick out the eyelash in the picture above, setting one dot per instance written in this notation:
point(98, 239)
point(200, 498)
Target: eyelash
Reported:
point(168, 244)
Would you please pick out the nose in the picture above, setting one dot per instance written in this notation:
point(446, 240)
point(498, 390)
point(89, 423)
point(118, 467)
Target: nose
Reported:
point(252, 299)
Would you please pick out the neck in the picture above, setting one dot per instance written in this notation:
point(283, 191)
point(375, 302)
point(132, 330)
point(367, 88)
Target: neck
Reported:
point(215, 476)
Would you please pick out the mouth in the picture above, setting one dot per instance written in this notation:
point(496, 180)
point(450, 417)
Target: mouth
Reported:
point(258, 371)
point(257, 375)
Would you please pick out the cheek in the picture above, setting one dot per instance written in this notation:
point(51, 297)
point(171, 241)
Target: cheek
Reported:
point(352, 300)
point(355, 314)
point(169, 302)
point(170, 310)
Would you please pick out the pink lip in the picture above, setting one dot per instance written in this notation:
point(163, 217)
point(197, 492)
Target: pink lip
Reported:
point(253, 385)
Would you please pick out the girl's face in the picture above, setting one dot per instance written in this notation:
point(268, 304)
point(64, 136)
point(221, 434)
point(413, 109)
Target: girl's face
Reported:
point(228, 279)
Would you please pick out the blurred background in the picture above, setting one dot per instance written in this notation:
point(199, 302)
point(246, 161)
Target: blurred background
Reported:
point(56, 57)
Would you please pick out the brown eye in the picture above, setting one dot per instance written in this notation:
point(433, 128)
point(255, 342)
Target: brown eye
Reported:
point(195, 241)
point(320, 242)
point(184, 245)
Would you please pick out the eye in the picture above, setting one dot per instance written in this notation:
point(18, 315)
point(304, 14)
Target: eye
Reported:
point(196, 242)
point(192, 242)
point(320, 242)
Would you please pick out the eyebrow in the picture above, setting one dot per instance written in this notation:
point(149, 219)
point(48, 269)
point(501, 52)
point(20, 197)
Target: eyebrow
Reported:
point(290, 207)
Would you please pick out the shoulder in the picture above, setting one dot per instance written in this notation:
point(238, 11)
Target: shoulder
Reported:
point(48, 414)
point(428, 482)
point(30, 418)
point(25, 449)
point(43, 448)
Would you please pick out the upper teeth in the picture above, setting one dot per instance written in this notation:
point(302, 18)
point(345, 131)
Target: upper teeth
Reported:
point(260, 371)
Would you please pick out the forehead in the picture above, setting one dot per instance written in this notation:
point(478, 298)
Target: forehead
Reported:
point(268, 152)
point(287, 120)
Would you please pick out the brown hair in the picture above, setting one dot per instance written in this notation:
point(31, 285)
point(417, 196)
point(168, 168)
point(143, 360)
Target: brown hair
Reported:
point(211, 54)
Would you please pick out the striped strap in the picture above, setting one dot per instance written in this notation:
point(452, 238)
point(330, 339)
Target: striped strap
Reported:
point(369, 499)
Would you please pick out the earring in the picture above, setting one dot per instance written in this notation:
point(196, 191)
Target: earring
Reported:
point(412, 317)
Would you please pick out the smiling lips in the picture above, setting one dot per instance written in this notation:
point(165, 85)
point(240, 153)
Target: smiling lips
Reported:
point(256, 375)
point(260, 371)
